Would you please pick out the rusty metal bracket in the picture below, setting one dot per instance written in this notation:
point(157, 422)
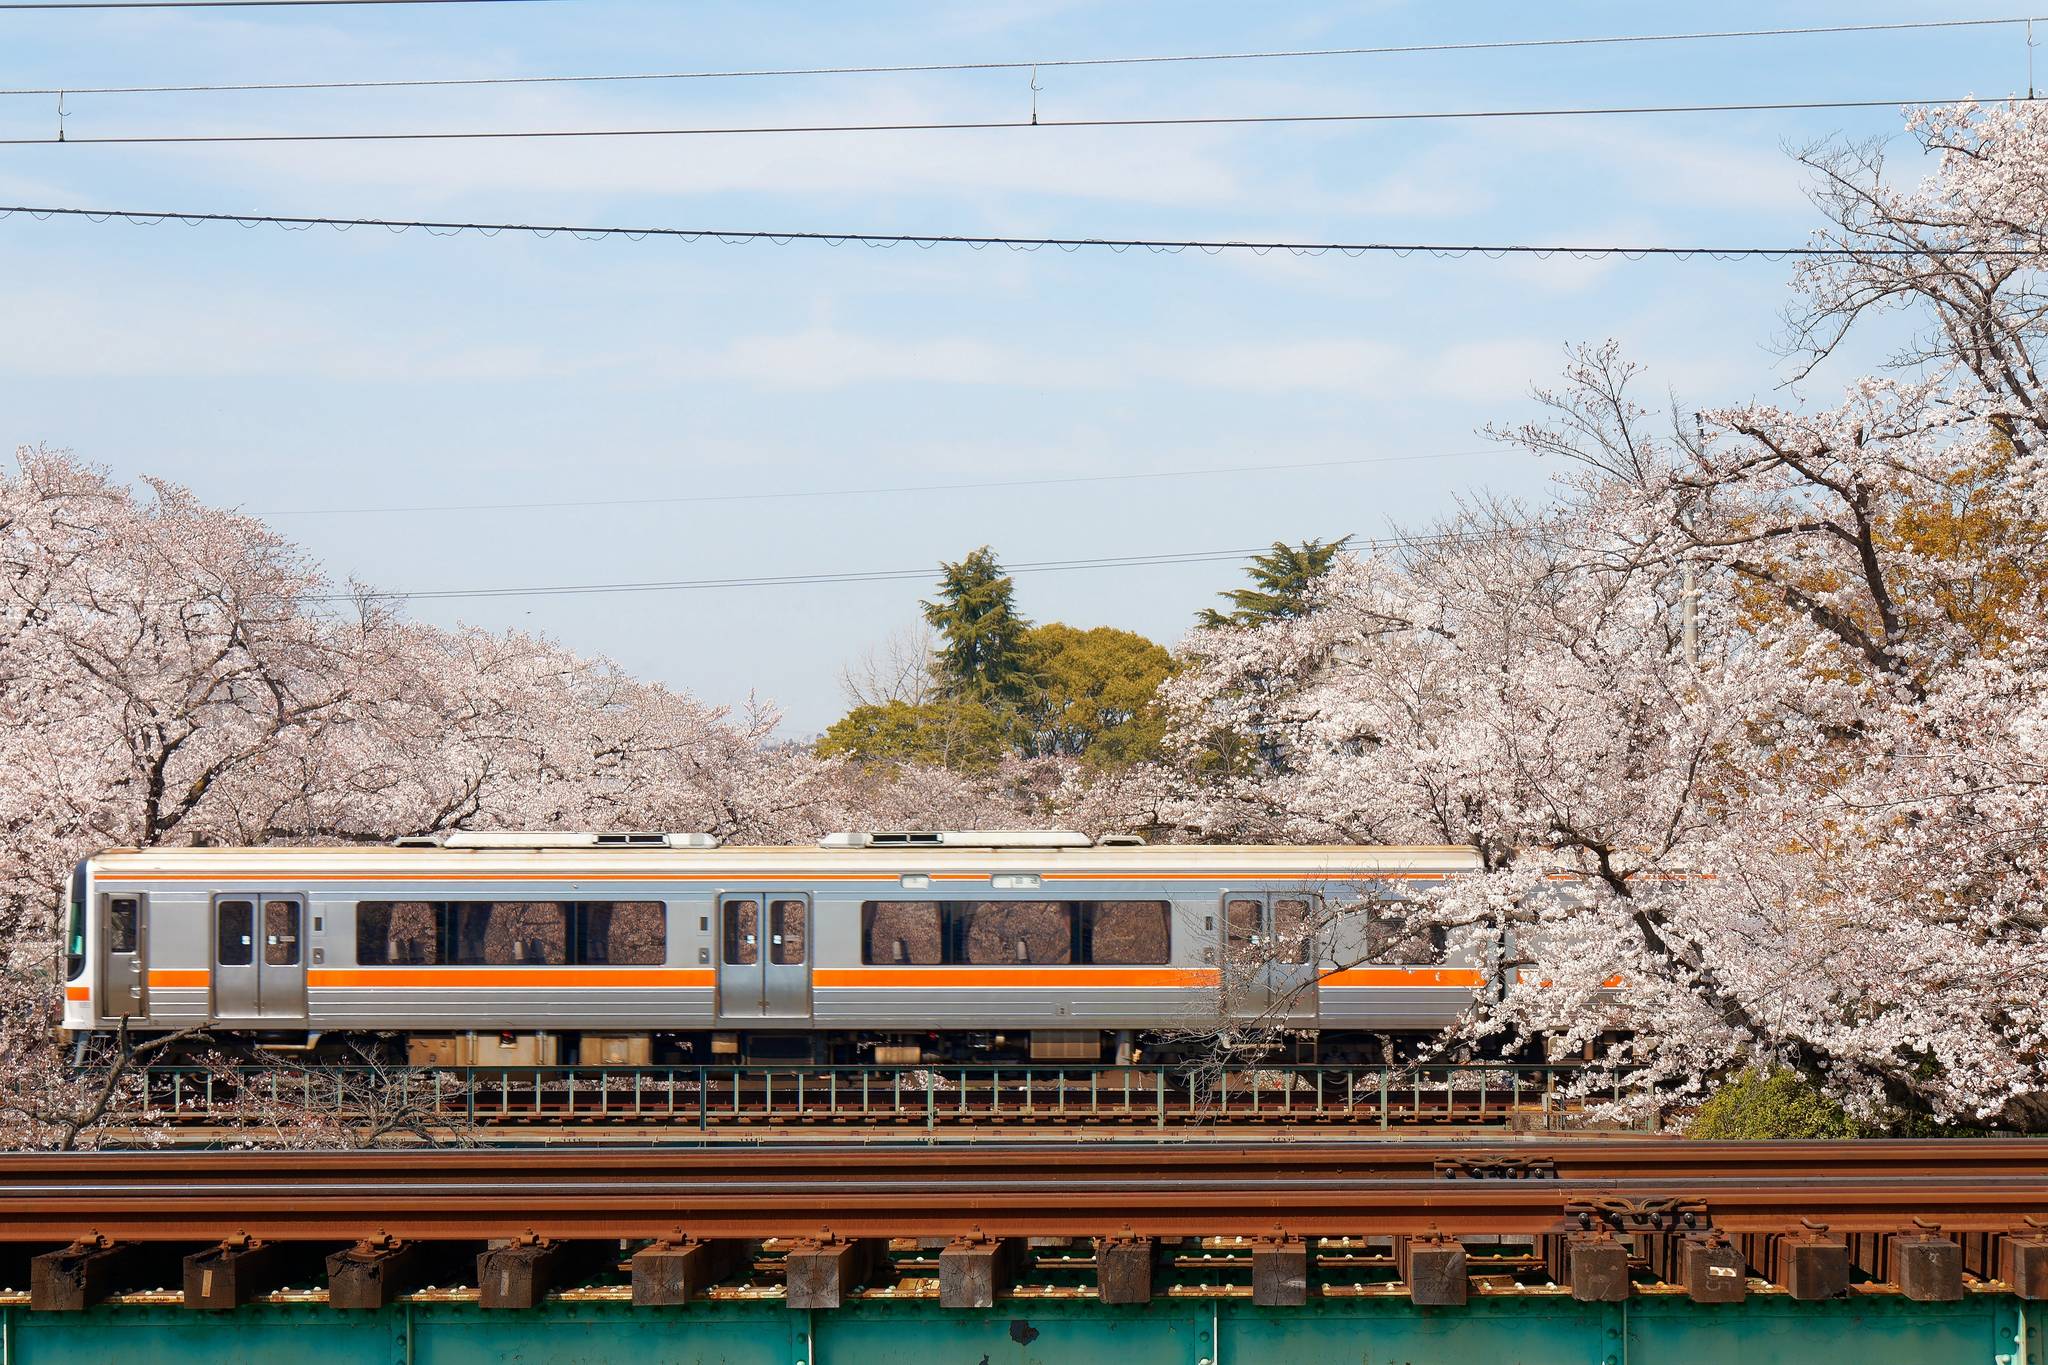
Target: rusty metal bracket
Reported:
point(1671, 1214)
point(1496, 1168)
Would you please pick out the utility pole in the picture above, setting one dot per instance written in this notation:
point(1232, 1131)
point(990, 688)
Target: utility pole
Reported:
point(1689, 596)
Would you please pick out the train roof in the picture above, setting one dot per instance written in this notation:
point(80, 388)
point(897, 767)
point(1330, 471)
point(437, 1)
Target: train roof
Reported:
point(331, 863)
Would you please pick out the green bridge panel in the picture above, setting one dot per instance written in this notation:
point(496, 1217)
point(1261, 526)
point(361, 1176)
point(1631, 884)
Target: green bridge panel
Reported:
point(1983, 1329)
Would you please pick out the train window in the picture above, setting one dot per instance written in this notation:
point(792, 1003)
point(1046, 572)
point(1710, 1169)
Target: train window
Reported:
point(742, 933)
point(1126, 933)
point(1242, 918)
point(1392, 936)
point(280, 933)
point(621, 933)
point(235, 933)
point(397, 933)
point(997, 933)
point(989, 933)
point(123, 924)
point(903, 933)
point(786, 924)
point(1292, 929)
point(510, 934)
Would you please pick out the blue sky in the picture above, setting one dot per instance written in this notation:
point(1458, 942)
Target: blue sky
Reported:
point(290, 372)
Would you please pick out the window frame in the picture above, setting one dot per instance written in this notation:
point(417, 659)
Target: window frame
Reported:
point(954, 921)
point(446, 917)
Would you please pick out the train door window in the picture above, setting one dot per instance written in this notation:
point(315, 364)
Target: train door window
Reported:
point(235, 933)
point(1242, 919)
point(742, 932)
point(280, 933)
point(1291, 929)
point(786, 926)
point(124, 916)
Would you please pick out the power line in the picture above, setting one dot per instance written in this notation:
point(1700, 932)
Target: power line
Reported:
point(1049, 63)
point(984, 125)
point(868, 576)
point(235, 4)
point(873, 492)
point(1160, 245)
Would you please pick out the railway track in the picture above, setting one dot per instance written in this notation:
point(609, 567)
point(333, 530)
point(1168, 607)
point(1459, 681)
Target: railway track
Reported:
point(476, 1101)
point(1929, 1219)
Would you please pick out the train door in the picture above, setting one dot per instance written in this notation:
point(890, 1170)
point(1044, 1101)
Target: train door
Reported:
point(1269, 957)
point(124, 958)
point(764, 956)
point(259, 965)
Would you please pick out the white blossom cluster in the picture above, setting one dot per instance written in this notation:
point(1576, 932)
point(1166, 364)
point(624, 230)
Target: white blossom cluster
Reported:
point(1810, 829)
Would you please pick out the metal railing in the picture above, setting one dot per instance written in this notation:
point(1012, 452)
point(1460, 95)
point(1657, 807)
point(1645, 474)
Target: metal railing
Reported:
point(928, 1097)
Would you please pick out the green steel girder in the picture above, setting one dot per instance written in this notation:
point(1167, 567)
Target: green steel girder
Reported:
point(1982, 1329)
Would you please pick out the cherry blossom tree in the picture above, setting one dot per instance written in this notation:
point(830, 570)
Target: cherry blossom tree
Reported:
point(1746, 725)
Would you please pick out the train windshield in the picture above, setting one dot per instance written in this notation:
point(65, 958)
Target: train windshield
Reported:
point(74, 937)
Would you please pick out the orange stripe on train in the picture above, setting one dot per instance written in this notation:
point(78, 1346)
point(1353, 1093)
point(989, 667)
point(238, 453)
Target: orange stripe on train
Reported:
point(972, 977)
point(543, 976)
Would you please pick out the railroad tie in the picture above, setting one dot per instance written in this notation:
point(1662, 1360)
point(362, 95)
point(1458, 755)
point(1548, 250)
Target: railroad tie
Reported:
point(973, 1270)
point(520, 1274)
point(681, 1269)
point(74, 1278)
point(229, 1275)
point(373, 1273)
point(823, 1273)
point(1280, 1273)
point(1926, 1266)
point(1435, 1269)
point(2023, 1264)
point(1123, 1269)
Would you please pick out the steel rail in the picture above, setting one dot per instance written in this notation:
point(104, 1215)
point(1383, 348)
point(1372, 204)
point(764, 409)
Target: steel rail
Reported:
point(1581, 1157)
point(1080, 1190)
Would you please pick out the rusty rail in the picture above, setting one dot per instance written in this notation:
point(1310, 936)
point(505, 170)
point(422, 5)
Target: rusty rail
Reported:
point(1925, 1220)
point(1307, 1189)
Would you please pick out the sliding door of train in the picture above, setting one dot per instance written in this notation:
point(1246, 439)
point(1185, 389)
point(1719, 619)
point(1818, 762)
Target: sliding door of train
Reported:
point(764, 956)
point(259, 966)
point(124, 957)
point(1269, 957)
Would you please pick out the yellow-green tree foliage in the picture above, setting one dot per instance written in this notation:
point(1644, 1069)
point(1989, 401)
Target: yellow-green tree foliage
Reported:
point(962, 735)
point(1097, 698)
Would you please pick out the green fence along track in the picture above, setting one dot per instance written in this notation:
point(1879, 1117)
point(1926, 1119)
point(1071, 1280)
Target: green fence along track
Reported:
point(1534, 1329)
point(929, 1098)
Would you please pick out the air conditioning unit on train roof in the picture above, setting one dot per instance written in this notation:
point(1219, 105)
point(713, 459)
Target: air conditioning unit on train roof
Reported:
point(957, 838)
point(511, 839)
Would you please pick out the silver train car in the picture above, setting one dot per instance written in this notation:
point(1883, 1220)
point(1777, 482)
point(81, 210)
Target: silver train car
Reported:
point(619, 949)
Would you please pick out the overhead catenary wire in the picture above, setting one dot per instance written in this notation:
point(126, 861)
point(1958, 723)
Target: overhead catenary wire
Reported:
point(868, 576)
point(806, 493)
point(987, 125)
point(1050, 63)
point(60, 5)
point(1160, 245)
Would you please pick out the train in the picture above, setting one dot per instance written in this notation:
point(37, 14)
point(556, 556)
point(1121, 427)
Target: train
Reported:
point(631, 948)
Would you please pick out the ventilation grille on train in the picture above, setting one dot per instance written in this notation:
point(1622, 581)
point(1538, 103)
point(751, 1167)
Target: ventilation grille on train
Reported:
point(530, 839)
